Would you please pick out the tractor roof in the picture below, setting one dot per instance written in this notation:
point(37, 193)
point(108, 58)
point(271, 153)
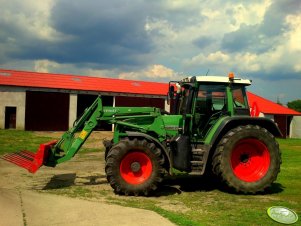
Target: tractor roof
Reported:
point(219, 79)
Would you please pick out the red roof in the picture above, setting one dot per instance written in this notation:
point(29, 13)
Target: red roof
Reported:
point(96, 84)
point(268, 107)
point(83, 83)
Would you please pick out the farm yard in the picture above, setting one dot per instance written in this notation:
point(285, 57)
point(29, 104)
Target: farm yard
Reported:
point(203, 98)
point(182, 199)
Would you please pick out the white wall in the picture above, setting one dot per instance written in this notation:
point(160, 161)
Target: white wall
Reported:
point(13, 99)
point(295, 128)
point(72, 109)
point(166, 106)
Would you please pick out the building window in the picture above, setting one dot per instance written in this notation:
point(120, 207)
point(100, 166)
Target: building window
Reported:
point(10, 117)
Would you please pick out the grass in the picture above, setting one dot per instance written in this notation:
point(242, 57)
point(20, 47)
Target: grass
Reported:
point(16, 140)
point(201, 201)
point(194, 200)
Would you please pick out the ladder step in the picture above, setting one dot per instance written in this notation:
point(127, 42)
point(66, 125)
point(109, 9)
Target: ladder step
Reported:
point(199, 159)
point(197, 154)
point(196, 163)
point(198, 151)
point(197, 166)
point(195, 173)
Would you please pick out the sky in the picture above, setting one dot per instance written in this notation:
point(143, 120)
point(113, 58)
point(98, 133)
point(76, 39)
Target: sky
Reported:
point(158, 40)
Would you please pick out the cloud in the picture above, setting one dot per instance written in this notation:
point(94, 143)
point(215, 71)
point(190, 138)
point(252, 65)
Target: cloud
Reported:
point(274, 22)
point(220, 63)
point(29, 17)
point(153, 40)
point(22, 23)
point(266, 34)
point(203, 41)
point(45, 66)
point(294, 34)
point(102, 33)
point(247, 38)
point(155, 72)
point(266, 48)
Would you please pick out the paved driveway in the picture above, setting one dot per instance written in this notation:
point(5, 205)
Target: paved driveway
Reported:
point(21, 204)
point(35, 209)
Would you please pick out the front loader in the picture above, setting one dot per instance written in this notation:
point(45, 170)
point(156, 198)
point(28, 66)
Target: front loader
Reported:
point(209, 128)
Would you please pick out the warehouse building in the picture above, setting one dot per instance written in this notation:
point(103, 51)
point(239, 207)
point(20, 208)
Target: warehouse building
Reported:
point(51, 102)
point(287, 119)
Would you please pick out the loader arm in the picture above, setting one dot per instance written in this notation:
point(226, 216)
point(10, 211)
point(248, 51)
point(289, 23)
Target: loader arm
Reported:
point(69, 144)
point(56, 152)
point(71, 141)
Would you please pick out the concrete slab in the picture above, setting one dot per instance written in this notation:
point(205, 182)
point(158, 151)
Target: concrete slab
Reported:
point(10, 208)
point(36, 209)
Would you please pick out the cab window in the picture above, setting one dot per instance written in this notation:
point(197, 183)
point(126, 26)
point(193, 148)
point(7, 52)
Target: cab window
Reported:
point(240, 101)
point(239, 97)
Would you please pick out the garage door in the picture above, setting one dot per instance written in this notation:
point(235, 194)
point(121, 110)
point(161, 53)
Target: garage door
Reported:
point(121, 101)
point(46, 111)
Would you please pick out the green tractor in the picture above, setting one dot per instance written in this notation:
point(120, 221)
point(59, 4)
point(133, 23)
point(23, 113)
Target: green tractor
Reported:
point(209, 129)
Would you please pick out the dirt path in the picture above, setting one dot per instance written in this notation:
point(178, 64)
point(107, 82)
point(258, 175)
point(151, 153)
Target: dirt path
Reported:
point(25, 198)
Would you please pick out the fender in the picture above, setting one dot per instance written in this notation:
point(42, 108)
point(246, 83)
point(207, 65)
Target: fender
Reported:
point(150, 138)
point(231, 122)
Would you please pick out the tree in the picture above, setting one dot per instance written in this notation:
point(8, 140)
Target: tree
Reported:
point(295, 105)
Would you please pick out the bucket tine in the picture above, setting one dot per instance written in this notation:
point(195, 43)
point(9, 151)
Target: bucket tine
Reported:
point(18, 159)
point(29, 160)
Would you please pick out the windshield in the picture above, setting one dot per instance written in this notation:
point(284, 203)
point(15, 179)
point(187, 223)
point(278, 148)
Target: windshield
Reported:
point(211, 98)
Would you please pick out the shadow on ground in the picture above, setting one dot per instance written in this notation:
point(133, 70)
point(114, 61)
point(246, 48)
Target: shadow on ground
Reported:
point(179, 184)
point(170, 186)
point(71, 179)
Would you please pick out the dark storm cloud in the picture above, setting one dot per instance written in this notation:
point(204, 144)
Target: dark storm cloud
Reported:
point(262, 37)
point(203, 42)
point(107, 33)
point(102, 33)
point(274, 19)
point(278, 74)
point(247, 39)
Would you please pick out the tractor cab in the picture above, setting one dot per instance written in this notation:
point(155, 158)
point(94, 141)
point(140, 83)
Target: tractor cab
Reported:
point(204, 99)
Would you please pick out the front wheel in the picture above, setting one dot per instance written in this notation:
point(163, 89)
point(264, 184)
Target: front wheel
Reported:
point(134, 167)
point(247, 159)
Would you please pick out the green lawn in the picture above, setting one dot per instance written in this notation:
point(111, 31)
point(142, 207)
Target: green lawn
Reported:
point(202, 202)
point(195, 201)
point(16, 140)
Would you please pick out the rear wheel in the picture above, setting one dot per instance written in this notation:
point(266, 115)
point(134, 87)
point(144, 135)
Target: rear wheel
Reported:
point(134, 167)
point(247, 159)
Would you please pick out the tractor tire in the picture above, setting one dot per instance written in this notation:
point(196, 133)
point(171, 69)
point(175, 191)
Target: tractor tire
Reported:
point(247, 159)
point(134, 167)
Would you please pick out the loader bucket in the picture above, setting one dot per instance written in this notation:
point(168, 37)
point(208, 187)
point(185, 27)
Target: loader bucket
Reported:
point(29, 160)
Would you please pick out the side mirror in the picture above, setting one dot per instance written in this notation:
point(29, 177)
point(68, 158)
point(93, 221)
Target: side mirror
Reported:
point(171, 92)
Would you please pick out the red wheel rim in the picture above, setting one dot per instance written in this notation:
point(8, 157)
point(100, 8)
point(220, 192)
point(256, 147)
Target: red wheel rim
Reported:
point(250, 160)
point(136, 168)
